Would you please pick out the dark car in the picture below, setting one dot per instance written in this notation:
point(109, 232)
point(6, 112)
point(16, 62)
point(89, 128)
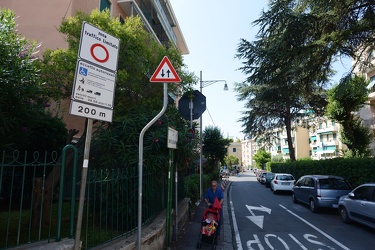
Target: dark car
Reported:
point(269, 176)
point(320, 191)
point(359, 205)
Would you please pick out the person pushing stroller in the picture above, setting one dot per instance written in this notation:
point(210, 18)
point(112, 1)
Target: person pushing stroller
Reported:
point(212, 193)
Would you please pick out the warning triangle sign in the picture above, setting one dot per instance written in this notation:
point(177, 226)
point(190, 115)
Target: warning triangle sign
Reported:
point(165, 72)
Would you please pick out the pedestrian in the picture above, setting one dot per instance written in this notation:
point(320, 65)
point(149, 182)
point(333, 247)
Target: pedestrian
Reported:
point(211, 194)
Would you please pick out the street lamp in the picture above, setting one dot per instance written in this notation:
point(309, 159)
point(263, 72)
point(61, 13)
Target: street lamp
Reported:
point(204, 84)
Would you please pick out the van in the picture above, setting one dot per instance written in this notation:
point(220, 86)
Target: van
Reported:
point(320, 191)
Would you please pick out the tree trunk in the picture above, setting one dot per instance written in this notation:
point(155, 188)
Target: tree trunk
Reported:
point(288, 125)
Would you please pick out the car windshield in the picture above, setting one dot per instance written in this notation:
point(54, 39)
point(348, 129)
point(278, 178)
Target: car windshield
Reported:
point(334, 183)
point(285, 178)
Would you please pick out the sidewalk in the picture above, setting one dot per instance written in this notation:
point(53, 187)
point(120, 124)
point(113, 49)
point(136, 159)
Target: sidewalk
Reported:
point(189, 233)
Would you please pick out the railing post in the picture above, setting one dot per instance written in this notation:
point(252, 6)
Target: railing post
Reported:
point(61, 191)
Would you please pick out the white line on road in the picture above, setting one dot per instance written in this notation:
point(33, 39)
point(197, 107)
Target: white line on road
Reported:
point(235, 227)
point(317, 229)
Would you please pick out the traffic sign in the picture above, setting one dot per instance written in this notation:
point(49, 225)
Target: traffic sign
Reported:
point(98, 47)
point(199, 104)
point(165, 72)
point(90, 111)
point(94, 85)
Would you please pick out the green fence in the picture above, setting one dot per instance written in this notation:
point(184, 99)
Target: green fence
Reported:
point(29, 212)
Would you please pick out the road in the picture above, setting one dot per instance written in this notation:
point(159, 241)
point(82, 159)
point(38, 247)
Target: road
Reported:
point(262, 220)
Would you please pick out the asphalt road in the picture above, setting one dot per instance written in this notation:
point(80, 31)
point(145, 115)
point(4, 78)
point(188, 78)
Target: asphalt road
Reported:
point(262, 220)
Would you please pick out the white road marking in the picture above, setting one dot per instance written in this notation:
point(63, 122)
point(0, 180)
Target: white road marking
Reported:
point(317, 229)
point(235, 227)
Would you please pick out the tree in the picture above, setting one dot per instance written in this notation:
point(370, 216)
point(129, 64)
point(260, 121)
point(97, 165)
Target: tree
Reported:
point(345, 99)
point(136, 101)
point(231, 160)
point(214, 146)
point(261, 158)
point(24, 123)
point(282, 78)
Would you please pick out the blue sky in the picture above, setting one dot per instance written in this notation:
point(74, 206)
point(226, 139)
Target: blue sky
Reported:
point(212, 30)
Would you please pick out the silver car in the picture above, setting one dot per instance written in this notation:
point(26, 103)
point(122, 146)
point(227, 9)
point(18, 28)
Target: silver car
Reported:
point(359, 205)
point(320, 191)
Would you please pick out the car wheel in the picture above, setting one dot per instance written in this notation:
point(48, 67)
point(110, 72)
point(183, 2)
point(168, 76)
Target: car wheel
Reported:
point(313, 207)
point(344, 214)
point(294, 198)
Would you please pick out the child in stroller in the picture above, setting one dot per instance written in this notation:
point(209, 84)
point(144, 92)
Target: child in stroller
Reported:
point(210, 222)
point(208, 233)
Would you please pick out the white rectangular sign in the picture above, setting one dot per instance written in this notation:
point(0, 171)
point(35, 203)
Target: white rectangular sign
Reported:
point(99, 47)
point(90, 111)
point(94, 85)
point(172, 138)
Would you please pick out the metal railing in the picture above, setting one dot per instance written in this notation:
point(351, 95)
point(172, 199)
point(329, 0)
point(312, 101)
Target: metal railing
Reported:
point(27, 207)
point(29, 213)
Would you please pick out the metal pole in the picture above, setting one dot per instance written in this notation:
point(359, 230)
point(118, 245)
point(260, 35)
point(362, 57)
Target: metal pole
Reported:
point(176, 204)
point(200, 145)
point(83, 184)
point(140, 164)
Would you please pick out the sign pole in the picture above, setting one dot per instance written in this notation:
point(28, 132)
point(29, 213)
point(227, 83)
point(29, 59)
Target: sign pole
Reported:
point(77, 242)
point(140, 164)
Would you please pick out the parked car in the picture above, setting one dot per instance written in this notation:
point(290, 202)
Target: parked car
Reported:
point(282, 182)
point(269, 176)
point(259, 173)
point(359, 205)
point(320, 191)
point(262, 178)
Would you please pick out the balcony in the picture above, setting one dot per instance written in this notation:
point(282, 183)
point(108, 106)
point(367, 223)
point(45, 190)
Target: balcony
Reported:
point(328, 130)
point(331, 143)
point(158, 18)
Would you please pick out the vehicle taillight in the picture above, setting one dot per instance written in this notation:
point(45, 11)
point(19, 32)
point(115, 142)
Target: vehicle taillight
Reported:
point(275, 181)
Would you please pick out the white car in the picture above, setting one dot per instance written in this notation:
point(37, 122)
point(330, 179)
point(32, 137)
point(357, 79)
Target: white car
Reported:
point(282, 182)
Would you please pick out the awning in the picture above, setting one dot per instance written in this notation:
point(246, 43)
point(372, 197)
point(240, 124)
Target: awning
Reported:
point(328, 151)
point(325, 133)
point(313, 138)
point(285, 150)
point(371, 84)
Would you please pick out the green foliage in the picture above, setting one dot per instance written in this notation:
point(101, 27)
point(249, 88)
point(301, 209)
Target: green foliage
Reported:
point(24, 125)
point(214, 146)
point(355, 170)
point(346, 98)
point(261, 158)
point(231, 160)
point(192, 184)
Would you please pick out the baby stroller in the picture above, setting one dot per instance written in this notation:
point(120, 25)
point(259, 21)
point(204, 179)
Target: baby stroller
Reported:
point(210, 221)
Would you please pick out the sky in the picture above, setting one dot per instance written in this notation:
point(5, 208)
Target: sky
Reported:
point(212, 30)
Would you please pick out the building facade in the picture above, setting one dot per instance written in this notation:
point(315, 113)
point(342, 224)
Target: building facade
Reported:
point(39, 19)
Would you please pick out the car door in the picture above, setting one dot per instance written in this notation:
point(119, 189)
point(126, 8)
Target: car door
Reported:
point(371, 207)
point(310, 188)
point(359, 205)
point(298, 188)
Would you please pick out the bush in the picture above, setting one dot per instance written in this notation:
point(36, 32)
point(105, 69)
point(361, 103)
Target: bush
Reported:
point(356, 170)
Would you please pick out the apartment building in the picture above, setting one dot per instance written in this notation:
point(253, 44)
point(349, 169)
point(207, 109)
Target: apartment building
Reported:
point(367, 113)
point(235, 149)
point(248, 149)
point(39, 19)
point(325, 140)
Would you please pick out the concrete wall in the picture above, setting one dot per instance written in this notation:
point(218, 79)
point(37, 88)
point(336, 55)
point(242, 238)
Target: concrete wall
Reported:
point(153, 236)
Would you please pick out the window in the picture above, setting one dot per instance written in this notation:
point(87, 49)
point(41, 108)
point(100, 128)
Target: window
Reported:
point(334, 136)
point(234, 150)
point(333, 122)
point(122, 20)
point(105, 4)
point(321, 138)
point(320, 125)
point(362, 193)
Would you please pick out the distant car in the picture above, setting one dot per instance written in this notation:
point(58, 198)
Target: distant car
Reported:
point(269, 176)
point(282, 182)
point(262, 177)
point(359, 205)
point(259, 174)
point(320, 191)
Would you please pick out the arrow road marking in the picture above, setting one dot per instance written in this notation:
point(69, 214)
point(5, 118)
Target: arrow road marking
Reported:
point(257, 220)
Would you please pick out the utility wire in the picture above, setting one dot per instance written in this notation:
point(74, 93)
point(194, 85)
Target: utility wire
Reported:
point(210, 116)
